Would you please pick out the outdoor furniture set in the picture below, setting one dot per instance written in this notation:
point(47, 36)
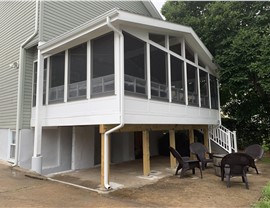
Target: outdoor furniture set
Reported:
point(228, 165)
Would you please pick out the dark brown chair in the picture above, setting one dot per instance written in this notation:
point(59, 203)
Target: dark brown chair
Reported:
point(236, 164)
point(184, 163)
point(200, 151)
point(256, 152)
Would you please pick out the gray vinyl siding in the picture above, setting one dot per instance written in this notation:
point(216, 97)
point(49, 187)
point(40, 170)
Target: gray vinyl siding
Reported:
point(31, 56)
point(62, 16)
point(17, 24)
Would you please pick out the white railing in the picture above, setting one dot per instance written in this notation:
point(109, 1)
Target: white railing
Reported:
point(56, 94)
point(178, 95)
point(159, 90)
point(77, 89)
point(102, 84)
point(135, 84)
point(223, 137)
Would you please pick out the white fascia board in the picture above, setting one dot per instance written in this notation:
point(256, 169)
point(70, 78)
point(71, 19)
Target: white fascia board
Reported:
point(151, 23)
point(152, 9)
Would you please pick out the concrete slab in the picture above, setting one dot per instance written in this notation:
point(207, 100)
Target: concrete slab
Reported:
point(124, 175)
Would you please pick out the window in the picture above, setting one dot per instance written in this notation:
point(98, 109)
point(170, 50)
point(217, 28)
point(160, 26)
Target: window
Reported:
point(12, 145)
point(192, 85)
point(177, 80)
point(175, 45)
point(214, 92)
point(77, 72)
point(159, 86)
point(57, 72)
point(135, 64)
point(159, 39)
point(204, 89)
point(102, 65)
point(189, 53)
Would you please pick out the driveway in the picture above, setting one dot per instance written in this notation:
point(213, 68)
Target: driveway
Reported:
point(18, 190)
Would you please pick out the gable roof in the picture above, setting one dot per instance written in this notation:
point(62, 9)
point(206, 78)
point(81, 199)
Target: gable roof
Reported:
point(118, 17)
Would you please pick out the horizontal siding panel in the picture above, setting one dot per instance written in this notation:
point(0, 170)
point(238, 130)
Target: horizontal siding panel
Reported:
point(17, 19)
point(27, 95)
point(17, 24)
point(62, 16)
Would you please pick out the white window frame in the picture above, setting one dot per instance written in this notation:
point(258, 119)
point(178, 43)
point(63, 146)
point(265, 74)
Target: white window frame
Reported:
point(11, 143)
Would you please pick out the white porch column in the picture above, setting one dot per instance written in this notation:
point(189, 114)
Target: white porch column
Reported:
point(148, 70)
point(88, 71)
point(198, 79)
point(183, 49)
point(37, 158)
point(209, 89)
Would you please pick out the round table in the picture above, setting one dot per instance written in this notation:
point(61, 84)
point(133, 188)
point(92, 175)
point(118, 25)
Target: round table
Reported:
point(217, 162)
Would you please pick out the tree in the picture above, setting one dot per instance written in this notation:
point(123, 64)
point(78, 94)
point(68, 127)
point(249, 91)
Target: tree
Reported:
point(238, 36)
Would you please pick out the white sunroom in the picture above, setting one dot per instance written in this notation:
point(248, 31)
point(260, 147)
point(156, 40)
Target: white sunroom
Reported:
point(123, 72)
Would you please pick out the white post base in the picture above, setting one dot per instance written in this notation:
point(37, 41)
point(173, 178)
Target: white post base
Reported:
point(37, 164)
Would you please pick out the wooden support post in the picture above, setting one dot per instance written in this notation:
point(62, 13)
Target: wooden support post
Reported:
point(172, 144)
point(191, 135)
point(206, 137)
point(102, 130)
point(191, 140)
point(102, 161)
point(146, 154)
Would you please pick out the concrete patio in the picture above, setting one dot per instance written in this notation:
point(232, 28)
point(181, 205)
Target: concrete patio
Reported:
point(124, 175)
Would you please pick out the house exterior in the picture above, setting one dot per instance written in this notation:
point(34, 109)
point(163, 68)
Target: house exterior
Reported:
point(80, 79)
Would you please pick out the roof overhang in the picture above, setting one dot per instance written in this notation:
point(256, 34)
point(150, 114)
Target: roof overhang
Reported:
point(152, 9)
point(98, 25)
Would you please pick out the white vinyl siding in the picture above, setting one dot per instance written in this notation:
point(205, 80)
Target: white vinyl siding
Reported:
point(62, 16)
point(15, 29)
point(31, 55)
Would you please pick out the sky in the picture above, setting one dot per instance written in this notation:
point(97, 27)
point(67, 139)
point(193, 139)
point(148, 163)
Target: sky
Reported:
point(158, 4)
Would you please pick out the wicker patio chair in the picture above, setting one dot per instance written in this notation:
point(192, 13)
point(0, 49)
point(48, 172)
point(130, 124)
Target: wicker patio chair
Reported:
point(185, 164)
point(236, 164)
point(256, 152)
point(200, 151)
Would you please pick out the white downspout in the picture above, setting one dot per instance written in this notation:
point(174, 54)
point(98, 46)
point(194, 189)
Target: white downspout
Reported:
point(20, 81)
point(121, 81)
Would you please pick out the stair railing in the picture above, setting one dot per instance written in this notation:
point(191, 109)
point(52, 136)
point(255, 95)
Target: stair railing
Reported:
point(223, 137)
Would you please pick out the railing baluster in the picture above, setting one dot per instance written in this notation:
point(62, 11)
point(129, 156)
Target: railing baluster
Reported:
point(224, 138)
point(229, 142)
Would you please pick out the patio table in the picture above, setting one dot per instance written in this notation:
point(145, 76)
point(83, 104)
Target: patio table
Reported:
point(217, 163)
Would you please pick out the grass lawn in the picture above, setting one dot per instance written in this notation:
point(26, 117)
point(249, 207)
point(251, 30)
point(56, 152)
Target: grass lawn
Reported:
point(264, 202)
